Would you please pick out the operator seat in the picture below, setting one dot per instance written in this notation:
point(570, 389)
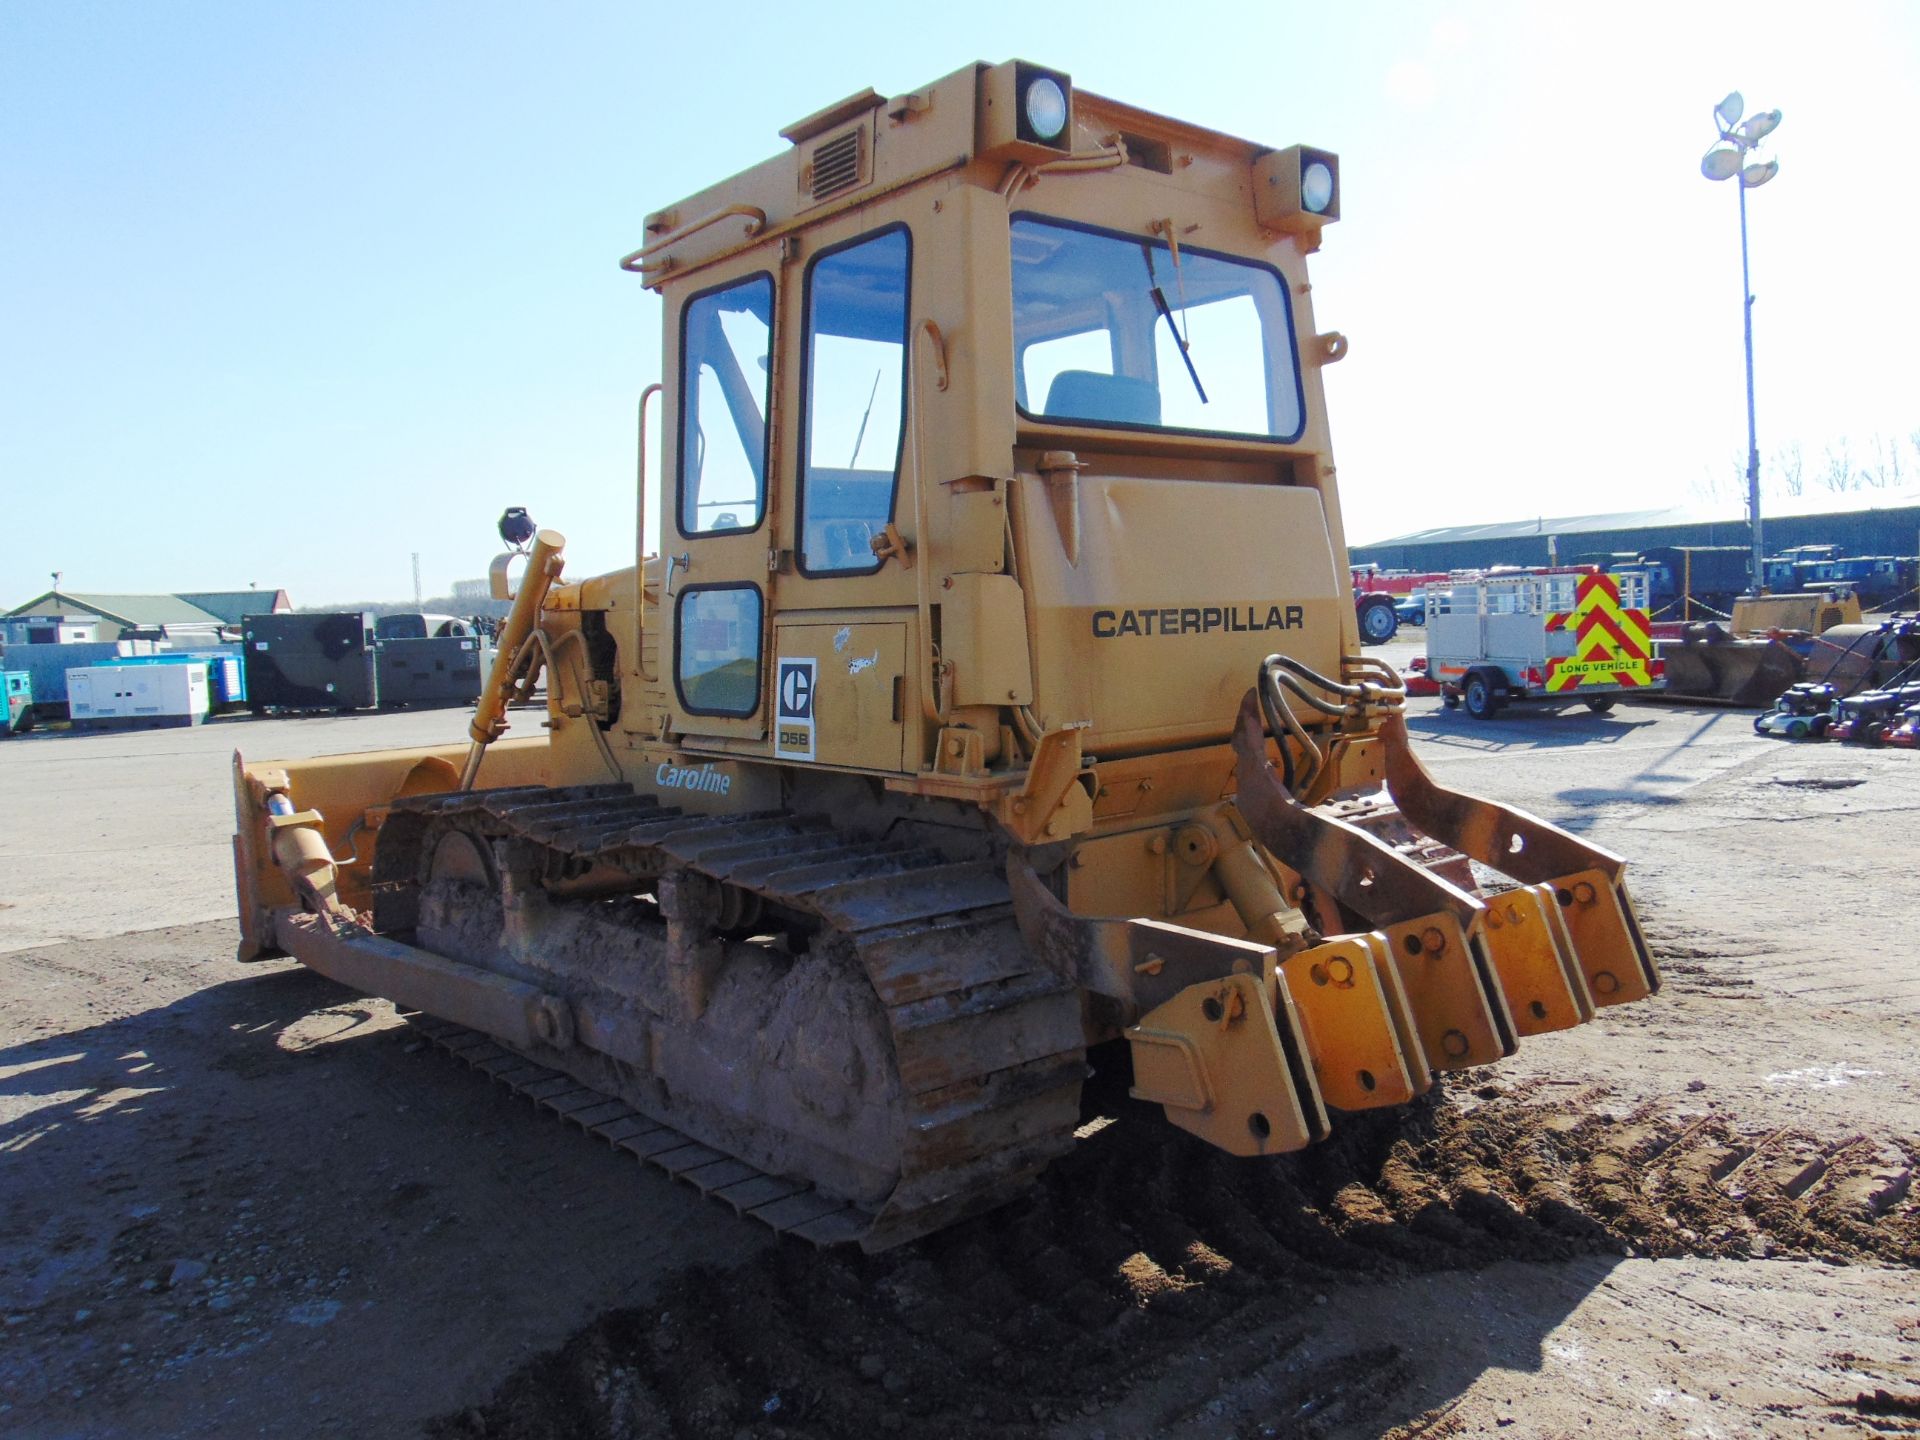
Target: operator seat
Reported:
point(1090, 395)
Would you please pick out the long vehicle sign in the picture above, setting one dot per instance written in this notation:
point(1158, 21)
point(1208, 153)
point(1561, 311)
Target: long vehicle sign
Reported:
point(1613, 644)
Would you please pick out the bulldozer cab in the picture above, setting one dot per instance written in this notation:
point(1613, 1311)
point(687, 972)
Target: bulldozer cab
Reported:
point(955, 417)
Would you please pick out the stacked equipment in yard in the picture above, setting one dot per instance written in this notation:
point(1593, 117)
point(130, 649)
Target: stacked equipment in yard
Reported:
point(1867, 656)
point(137, 697)
point(1869, 686)
point(429, 660)
point(1879, 580)
point(226, 675)
point(1552, 635)
point(16, 713)
point(1769, 645)
point(1684, 582)
point(48, 663)
point(322, 661)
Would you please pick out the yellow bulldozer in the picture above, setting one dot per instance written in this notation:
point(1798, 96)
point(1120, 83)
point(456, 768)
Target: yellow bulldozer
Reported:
point(997, 693)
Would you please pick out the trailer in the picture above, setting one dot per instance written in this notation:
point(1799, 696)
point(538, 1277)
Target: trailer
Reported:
point(1562, 636)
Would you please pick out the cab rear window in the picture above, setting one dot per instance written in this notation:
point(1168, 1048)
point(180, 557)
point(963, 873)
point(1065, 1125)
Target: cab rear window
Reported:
point(1118, 330)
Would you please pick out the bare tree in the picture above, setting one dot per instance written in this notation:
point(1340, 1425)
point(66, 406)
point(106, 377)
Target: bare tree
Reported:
point(1839, 472)
point(1726, 482)
point(1884, 471)
point(1872, 471)
point(1790, 466)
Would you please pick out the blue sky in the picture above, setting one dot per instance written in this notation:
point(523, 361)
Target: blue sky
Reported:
point(291, 291)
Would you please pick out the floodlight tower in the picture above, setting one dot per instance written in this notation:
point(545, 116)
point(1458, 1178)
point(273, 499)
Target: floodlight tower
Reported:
point(1729, 157)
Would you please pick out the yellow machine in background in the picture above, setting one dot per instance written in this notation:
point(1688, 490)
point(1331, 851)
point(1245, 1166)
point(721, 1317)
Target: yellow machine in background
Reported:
point(997, 694)
point(1813, 612)
point(1772, 642)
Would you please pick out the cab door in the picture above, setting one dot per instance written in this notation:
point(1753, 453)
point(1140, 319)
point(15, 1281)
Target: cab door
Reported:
point(842, 628)
point(721, 452)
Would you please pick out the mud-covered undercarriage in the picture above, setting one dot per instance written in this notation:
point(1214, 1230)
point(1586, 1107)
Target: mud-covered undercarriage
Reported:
point(856, 1013)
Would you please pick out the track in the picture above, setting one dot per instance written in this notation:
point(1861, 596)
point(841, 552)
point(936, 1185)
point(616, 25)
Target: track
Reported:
point(985, 1051)
point(789, 1207)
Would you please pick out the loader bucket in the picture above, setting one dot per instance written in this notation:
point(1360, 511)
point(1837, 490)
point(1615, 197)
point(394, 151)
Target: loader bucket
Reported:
point(1751, 674)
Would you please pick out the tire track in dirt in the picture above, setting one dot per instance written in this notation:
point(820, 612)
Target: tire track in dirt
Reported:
point(1144, 1245)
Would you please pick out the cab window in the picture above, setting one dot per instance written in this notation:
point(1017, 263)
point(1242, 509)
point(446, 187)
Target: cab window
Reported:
point(1120, 330)
point(856, 349)
point(717, 649)
point(725, 342)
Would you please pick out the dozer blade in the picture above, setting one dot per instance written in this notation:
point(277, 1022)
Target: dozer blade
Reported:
point(1586, 882)
point(1435, 933)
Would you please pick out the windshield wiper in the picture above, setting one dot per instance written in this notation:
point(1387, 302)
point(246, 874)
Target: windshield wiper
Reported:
point(1159, 298)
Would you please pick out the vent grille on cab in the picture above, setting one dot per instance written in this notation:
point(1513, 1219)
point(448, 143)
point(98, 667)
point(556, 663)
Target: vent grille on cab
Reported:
point(835, 166)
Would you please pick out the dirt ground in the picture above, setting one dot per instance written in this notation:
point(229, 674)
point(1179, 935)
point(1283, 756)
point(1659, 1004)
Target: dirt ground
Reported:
point(238, 1200)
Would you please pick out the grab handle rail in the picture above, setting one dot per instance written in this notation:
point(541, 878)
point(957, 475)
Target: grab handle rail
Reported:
point(648, 260)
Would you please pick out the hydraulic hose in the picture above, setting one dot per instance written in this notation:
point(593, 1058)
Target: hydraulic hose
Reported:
point(1385, 691)
point(1282, 722)
point(1280, 674)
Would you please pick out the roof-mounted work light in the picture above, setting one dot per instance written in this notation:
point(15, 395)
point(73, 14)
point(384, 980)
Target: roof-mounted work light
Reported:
point(1025, 112)
point(1296, 189)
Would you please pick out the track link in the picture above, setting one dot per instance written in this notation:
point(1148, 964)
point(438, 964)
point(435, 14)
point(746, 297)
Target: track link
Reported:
point(788, 1206)
point(988, 1047)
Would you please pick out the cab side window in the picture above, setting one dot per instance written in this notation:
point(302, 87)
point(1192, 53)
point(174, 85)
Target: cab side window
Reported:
point(856, 351)
point(717, 645)
point(725, 341)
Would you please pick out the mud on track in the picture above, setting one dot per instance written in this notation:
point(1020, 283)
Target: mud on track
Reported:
point(1143, 1245)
